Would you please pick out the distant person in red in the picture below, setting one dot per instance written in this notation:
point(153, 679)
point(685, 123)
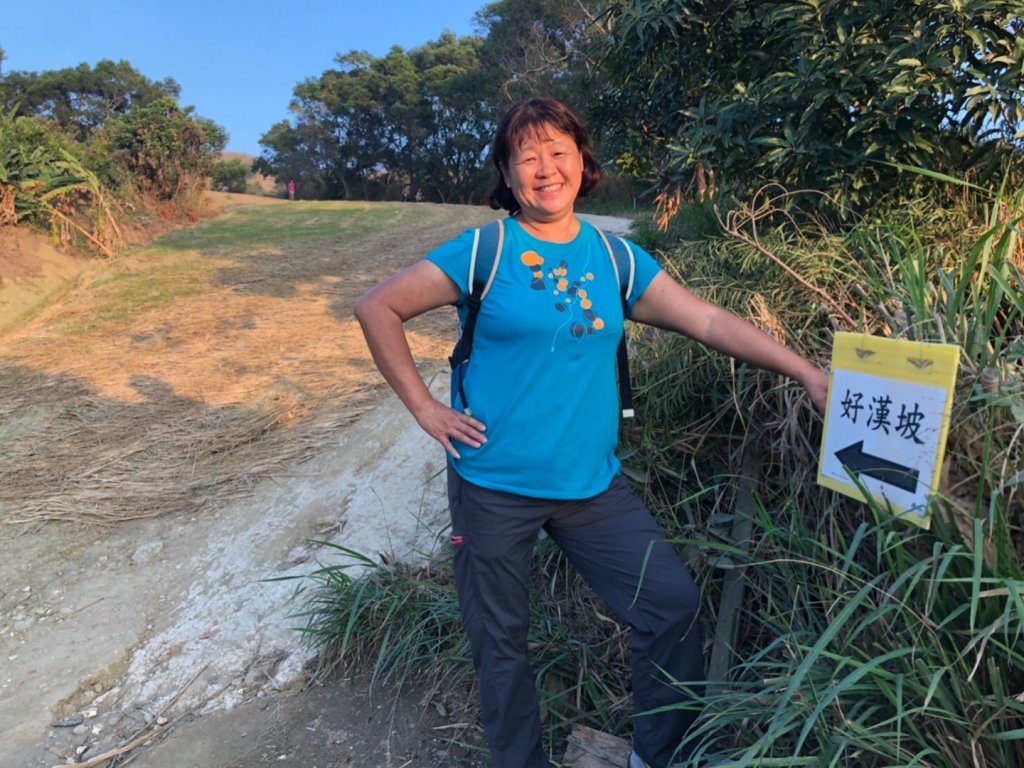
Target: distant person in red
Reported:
point(291, 189)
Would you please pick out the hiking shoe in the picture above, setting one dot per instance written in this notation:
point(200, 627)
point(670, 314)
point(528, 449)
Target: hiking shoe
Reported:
point(636, 762)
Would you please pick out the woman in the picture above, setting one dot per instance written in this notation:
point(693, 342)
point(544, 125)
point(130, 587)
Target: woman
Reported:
point(538, 450)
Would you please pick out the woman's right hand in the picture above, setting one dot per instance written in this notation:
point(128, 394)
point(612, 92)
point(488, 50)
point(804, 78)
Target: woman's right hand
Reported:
point(445, 424)
point(382, 313)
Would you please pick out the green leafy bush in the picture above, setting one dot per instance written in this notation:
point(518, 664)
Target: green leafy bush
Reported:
point(229, 175)
point(29, 153)
point(860, 641)
point(169, 151)
point(812, 95)
point(42, 183)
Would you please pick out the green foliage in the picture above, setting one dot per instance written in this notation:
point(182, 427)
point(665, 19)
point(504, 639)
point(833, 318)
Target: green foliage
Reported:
point(873, 646)
point(93, 129)
point(393, 620)
point(860, 642)
point(813, 94)
point(97, 154)
point(29, 153)
point(540, 47)
point(426, 116)
point(44, 184)
point(80, 99)
point(82, 131)
point(374, 124)
point(696, 221)
point(165, 148)
point(967, 290)
point(127, 131)
point(229, 175)
point(397, 623)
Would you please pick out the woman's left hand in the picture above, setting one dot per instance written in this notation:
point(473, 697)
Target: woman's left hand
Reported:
point(816, 384)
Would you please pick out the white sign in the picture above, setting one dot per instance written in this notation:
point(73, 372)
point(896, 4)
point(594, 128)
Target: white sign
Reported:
point(887, 432)
point(886, 422)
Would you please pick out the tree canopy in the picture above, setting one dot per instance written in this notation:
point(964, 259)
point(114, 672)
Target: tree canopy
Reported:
point(229, 175)
point(540, 47)
point(79, 99)
point(826, 96)
point(165, 147)
point(425, 116)
point(413, 116)
point(70, 136)
point(815, 94)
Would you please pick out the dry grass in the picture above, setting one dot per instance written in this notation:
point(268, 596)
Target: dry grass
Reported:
point(115, 405)
point(74, 456)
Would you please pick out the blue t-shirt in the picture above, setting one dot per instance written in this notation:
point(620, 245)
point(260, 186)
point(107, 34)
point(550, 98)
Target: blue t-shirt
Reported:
point(542, 377)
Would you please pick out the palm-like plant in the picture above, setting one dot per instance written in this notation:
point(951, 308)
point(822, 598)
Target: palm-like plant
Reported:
point(42, 182)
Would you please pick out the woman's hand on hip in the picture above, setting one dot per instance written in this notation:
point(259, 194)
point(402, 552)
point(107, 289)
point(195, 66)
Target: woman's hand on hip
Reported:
point(445, 424)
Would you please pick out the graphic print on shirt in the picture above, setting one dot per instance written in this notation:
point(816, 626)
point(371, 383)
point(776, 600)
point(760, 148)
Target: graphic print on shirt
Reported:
point(571, 298)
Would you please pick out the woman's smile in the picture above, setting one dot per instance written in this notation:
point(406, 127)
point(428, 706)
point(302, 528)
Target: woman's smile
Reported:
point(545, 173)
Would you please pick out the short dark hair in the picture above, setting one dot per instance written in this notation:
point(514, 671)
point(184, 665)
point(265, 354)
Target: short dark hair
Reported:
point(524, 120)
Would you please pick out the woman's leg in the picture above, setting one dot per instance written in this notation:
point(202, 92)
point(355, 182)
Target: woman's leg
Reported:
point(620, 551)
point(493, 535)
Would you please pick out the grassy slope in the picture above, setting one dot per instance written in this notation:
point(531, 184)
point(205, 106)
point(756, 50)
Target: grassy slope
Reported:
point(189, 368)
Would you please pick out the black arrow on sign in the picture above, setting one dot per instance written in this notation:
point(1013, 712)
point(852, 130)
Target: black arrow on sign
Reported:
point(884, 471)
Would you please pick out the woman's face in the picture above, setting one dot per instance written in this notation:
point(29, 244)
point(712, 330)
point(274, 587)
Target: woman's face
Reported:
point(545, 173)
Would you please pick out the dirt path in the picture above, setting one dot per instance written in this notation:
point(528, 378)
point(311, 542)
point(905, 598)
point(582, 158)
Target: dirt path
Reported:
point(134, 592)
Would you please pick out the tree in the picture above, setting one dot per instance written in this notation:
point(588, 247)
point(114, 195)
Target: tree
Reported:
point(302, 152)
point(541, 47)
point(815, 94)
point(453, 119)
point(165, 147)
point(372, 124)
point(80, 99)
point(426, 116)
point(337, 138)
point(229, 175)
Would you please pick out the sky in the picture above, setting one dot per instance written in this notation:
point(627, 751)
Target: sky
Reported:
point(237, 62)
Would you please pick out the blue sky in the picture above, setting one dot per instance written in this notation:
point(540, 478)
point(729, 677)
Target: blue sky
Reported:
point(236, 62)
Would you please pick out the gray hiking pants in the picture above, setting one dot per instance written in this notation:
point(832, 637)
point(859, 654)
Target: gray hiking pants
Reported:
point(613, 541)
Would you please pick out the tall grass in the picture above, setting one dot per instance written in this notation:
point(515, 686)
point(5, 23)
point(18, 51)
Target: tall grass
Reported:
point(392, 620)
point(861, 642)
point(870, 645)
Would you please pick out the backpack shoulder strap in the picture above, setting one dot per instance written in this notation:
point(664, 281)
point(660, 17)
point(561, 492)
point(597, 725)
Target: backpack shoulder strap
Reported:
point(624, 263)
point(483, 266)
point(483, 262)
